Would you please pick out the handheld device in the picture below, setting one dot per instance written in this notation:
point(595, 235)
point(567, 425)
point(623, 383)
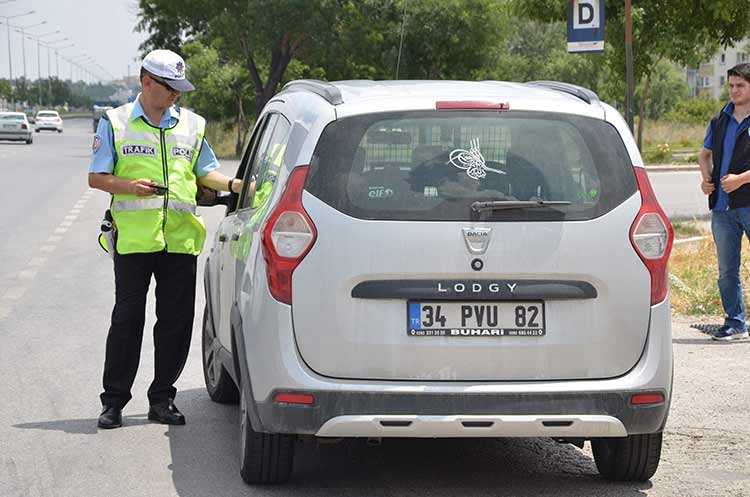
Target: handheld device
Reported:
point(160, 189)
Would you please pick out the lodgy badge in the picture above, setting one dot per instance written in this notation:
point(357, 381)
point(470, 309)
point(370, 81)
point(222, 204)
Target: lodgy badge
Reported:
point(475, 287)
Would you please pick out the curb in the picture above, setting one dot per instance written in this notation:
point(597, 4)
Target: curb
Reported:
point(669, 168)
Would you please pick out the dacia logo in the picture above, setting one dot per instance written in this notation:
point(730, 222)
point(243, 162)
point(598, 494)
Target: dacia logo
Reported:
point(477, 239)
point(182, 153)
point(138, 150)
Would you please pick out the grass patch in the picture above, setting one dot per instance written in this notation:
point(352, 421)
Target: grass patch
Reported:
point(693, 276)
point(223, 138)
point(672, 142)
point(686, 229)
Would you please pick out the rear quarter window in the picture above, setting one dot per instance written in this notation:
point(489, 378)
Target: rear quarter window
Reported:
point(432, 165)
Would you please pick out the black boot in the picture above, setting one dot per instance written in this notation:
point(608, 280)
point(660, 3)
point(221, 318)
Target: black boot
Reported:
point(166, 414)
point(111, 417)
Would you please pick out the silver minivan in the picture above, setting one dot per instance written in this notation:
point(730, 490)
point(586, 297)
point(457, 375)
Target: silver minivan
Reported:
point(436, 259)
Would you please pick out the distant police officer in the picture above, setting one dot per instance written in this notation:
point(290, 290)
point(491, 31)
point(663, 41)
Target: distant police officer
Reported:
point(151, 155)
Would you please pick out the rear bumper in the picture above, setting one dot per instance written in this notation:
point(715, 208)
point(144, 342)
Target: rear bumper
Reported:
point(577, 408)
point(363, 414)
point(15, 135)
point(48, 127)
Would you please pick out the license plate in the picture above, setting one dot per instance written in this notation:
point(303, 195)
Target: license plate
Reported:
point(475, 319)
point(9, 126)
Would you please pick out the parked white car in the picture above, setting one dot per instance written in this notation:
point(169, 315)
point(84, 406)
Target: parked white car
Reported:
point(15, 126)
point(48, 120)
point(441, 259)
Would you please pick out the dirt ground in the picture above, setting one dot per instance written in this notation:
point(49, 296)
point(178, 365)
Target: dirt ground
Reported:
point(707, 438)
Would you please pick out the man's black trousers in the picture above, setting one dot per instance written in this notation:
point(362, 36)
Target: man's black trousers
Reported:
point(175, 307)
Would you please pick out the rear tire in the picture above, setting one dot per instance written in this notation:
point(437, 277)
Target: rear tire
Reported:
point(264, 457)
point(29, 141)
point(219, 383)
point(631, 458)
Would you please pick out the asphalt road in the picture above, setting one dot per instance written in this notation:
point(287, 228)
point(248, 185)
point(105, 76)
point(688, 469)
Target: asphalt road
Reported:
point(679, 194)
point(56, 293)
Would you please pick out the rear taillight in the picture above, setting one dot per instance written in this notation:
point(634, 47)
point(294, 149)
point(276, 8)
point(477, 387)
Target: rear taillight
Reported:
point(24, 126)
point(651, 234)
point(288, 236)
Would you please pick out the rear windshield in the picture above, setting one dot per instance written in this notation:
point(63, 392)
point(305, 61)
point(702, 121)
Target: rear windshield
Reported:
point(47, 114)
point(12, 117)
point(433, 165)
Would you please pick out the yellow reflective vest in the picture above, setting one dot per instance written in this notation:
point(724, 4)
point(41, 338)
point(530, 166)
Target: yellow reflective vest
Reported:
point(165, 156)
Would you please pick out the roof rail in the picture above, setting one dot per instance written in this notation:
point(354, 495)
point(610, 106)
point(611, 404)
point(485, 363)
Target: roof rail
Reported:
point(584, 94)
point(321, 88)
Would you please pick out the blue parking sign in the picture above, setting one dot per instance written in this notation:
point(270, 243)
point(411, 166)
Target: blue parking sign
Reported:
point(586, 26)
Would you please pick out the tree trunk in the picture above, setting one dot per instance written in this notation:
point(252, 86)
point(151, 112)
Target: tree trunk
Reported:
point(280, 57)
point(642, 109)
point(240, 119)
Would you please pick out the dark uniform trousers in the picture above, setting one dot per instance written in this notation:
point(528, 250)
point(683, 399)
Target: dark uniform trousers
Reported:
point(175, 307)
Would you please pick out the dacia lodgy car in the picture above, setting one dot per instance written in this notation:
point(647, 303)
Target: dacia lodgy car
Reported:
point(437, 259)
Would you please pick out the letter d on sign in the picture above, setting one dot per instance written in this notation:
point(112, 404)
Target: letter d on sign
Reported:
point(585, 14)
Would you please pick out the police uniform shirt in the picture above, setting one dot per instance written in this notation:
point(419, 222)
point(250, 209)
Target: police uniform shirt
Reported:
point(104, 155)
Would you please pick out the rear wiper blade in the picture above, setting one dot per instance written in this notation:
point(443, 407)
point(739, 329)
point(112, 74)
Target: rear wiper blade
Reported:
point(497, 205)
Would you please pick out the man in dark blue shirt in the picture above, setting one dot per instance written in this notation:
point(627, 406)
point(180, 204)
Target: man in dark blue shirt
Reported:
point(725, 169)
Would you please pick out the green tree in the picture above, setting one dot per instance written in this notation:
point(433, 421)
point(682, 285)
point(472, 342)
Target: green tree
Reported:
point(222, 87)
point(274, 40)
point(6, 90)
point(683, 31)
point(446, 39)
point(668, 87)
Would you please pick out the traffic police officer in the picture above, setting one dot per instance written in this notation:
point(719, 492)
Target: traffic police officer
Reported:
point(151, 155)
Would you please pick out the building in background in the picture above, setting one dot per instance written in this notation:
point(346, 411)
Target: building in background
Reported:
point(710, 78)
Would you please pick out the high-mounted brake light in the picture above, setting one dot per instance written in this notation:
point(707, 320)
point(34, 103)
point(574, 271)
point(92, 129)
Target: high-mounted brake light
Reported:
point(288, 236)
point(652, 236)
point(471, 105)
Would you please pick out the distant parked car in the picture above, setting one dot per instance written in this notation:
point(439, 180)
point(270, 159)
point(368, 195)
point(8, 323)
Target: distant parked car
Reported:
point(49, 120)
point(15, 126)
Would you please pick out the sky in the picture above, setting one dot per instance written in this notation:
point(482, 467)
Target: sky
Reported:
point(101, 29)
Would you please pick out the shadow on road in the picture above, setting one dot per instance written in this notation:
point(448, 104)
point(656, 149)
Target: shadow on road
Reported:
point(708, 341)
point(205, 462)
point(80, 426)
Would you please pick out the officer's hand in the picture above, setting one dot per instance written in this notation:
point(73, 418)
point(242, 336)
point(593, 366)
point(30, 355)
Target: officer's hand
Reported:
point(731, 182)
point(142, 187)
point(707, 186)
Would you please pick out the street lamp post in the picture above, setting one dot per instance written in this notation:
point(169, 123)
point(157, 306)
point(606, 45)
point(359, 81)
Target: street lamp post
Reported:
point(22, 29)
point(49, 46)
point(57, 58)
point(10, 63)
point(33, 36)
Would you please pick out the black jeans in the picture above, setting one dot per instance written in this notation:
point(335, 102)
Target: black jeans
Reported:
point(175, 308)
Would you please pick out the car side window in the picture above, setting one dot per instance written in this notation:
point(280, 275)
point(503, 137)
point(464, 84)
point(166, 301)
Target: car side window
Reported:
point(266, 163)
point(245, 163)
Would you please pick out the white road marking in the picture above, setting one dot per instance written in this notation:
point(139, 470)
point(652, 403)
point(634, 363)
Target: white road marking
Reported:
point(27, 274)
point(14, 293)
point(37, 261)
point(25, 277)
